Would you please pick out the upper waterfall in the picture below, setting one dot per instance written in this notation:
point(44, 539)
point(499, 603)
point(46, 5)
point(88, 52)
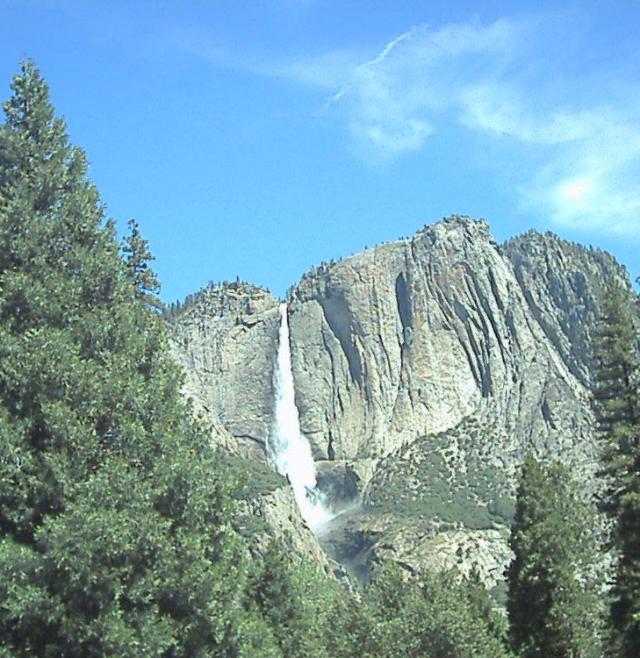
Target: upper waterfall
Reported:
point(289, 449)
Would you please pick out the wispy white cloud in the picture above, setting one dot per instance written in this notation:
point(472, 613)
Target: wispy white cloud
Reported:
point(476, 75)
point(366, 71)
point(591, 175)
point(499, 110)
point(391, 100)
point(481, 78)
point(324, 71)
point(592, 183)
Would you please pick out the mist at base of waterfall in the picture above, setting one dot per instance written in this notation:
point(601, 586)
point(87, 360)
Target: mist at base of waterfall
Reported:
point(289, 450)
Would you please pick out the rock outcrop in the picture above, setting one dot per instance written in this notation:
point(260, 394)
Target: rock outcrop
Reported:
point(410, 338)
point(226, 342)
point(562, 283)
point(425, 370)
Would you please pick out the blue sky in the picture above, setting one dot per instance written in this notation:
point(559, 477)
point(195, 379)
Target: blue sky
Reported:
point(260, 138)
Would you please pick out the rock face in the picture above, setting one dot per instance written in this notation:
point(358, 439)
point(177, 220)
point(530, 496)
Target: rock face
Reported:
point(425, 370)
point(226, 342)
point(562, 283)
point(279, 511)
point(410, 338)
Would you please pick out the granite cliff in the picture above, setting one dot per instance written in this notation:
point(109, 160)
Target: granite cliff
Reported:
point(226, 342)
point(425, 369)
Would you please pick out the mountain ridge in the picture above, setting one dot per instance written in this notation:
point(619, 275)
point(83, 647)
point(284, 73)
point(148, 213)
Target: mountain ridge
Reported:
point(446, 351)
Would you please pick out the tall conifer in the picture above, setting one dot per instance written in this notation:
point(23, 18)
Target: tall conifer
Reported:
point(115, 536)
point(552, 605)
point(617, 407)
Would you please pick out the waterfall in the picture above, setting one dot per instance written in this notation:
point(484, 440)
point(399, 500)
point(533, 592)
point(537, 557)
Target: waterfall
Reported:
point(289, 450)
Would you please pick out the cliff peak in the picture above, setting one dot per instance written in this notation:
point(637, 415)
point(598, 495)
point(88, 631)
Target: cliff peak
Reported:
point(424, 369)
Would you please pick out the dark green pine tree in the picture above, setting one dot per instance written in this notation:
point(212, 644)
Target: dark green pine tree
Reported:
point(115, 522)
point(296, 601)
point(138, 259)
point(553, 607)
point(435, 616)
point(617, 407)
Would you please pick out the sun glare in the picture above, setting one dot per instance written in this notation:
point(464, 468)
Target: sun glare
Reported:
point(576, 189)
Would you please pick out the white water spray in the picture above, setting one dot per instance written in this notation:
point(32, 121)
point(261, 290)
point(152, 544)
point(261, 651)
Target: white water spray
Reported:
point(289, 449)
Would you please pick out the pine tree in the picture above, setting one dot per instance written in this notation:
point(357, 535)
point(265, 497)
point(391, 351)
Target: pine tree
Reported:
point(115, 520)
point(617, 408)
point(296, 601)
point(615, 389)
point(433, 616)
point(137, 258)
point(552, 604)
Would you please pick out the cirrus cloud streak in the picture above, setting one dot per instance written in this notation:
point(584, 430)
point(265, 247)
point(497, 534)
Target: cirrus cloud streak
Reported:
point(480, 77)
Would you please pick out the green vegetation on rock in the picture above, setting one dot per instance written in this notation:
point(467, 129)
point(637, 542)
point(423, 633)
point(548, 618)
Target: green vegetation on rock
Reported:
point(424, 483)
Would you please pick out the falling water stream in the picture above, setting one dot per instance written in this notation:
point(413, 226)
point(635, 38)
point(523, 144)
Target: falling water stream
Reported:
point(289, 449)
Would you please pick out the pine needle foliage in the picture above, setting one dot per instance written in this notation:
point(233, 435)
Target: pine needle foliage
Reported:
point(115, 535)
point(138, 258)
point(616, 394)
point(553, 607)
